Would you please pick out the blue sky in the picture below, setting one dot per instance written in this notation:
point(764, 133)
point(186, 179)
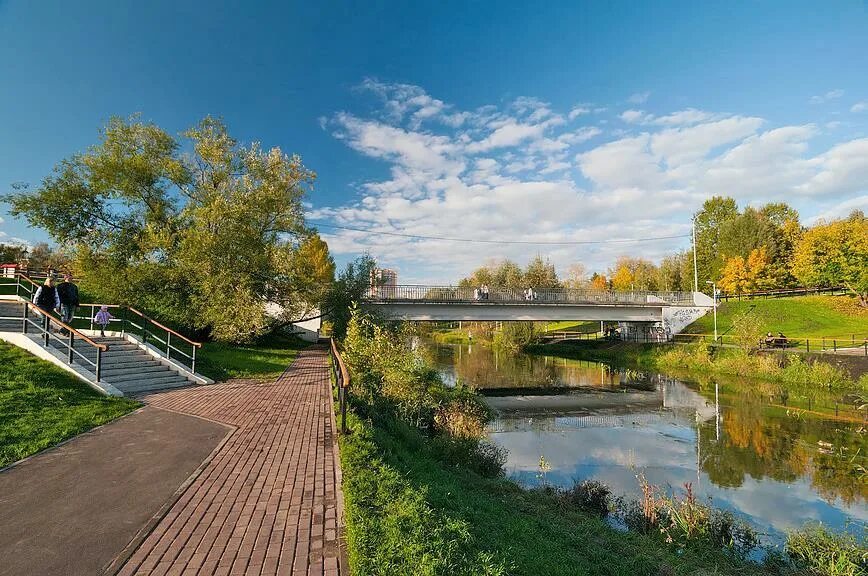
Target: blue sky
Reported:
point(502, 121)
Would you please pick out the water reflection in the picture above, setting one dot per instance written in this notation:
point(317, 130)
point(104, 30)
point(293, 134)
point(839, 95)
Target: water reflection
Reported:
point(777, 459)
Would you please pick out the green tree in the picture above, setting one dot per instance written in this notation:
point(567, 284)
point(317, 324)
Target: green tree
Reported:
point(715, 212)
point(835, 254)
point(508, 274)
point(208, 239)
point(12, 253)
point(541, 274)
point(349, 288)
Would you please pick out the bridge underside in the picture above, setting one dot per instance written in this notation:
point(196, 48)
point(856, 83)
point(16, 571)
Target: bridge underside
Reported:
point(488, 312)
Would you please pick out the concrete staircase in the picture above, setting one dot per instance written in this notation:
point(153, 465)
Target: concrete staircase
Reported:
point(127, 365)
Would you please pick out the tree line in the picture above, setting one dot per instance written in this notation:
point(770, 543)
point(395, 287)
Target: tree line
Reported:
point(741, 250)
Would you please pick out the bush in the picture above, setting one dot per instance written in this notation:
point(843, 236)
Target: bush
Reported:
point(590, 495)
point(683, 520)
point(481, 456)
point(388, 374)
point(816, 549)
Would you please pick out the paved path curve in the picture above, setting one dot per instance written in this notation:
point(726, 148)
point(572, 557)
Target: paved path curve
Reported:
point(268, 501)
point(69, 511)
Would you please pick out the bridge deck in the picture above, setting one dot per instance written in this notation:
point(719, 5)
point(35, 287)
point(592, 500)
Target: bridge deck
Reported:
point(528, 296)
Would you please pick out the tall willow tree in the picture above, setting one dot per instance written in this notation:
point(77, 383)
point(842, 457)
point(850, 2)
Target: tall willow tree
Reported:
point(205, 238)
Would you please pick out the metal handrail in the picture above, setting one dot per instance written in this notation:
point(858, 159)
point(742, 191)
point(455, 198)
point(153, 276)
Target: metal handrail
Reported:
point(65, 326)
point(169, 330)
point(71, 334)
point(342, 379)
point(166, 348)
point(501, 295)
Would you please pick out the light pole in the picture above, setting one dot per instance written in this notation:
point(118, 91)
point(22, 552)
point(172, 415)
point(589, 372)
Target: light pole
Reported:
point(695, 271)
point(714, 295)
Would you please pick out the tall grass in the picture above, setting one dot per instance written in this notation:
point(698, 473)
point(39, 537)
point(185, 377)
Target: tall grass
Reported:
point(819, 551)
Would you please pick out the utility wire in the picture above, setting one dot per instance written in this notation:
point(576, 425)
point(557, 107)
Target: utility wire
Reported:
point(484, 241)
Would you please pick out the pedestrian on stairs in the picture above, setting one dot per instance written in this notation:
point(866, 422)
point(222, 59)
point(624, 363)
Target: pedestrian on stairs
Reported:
point(103, 317)
point(68, 294)
point(46, 297)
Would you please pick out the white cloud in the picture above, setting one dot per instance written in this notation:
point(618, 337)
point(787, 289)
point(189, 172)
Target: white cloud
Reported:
point(578, 111)
point(519, 172)
point(633, 116)
point(830, 95)
point(842, 209)
point(639, 98)
point(683, 117)
point(859, 106)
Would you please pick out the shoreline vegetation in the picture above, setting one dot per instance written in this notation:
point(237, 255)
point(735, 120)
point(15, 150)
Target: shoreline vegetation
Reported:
point(425, 493)
point(787, 369)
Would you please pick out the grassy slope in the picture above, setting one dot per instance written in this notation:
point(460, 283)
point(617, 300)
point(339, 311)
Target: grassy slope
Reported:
point(265, 359)
point(410, 514)
point(830, 316)
point(572, 326)
point(41, 405)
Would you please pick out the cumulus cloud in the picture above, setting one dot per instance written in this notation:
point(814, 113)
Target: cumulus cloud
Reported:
point(525, 171)
point(859, 106)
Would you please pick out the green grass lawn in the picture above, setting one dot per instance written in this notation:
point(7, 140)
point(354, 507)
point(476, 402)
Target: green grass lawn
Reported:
point(265, 359)
point(41, 405)
point(806, 316)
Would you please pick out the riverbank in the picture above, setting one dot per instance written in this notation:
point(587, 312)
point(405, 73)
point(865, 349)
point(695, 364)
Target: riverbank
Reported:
point(790, 370)
point(425, 493)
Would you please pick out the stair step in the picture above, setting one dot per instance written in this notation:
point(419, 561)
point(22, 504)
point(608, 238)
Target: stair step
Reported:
point(121, 364)
point(137, 375)
point(146, 384)
point(112, 371)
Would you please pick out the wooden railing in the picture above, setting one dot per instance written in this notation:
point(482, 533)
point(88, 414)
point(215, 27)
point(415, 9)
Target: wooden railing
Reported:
point(808, 343)
point(342, 380)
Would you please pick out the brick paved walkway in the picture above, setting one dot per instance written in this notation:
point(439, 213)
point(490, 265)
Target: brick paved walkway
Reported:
point(268, 502)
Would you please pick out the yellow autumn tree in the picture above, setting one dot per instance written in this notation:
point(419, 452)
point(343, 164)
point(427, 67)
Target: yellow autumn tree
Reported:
point(835, 254)
point(733, 276)
point(739, 275)
point(623, 278)
point(598, 282)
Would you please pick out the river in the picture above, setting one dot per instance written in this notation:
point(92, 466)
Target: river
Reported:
point(774, 458)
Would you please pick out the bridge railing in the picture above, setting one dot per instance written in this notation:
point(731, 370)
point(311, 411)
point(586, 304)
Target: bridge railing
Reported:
point(458, 294)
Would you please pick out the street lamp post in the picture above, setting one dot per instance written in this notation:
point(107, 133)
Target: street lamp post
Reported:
point(714, 295)
point(695, 270)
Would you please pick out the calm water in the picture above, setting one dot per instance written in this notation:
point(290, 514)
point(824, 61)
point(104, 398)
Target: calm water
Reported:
point(777, 459)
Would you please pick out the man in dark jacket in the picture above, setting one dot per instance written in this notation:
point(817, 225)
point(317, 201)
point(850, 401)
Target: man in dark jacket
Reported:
point(68, 295)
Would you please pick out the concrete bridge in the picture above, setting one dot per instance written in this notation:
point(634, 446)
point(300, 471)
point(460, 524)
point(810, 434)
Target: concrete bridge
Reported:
point(668, 312)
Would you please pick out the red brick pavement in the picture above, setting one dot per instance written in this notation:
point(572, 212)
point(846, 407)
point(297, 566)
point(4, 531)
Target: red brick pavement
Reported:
point(269, 501)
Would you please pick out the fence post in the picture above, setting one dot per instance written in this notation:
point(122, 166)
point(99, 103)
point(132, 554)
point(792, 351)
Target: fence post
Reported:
point(834, 346)
point(98, 363)
point(807, 344)
point(193, 363)
point(71, 344)
point(45, 328)
point(24, 320)
point(168, 345)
